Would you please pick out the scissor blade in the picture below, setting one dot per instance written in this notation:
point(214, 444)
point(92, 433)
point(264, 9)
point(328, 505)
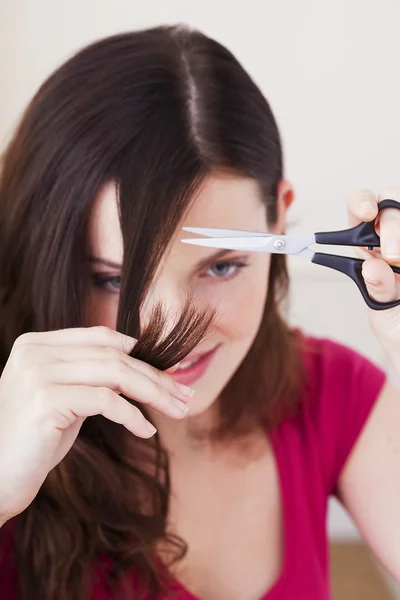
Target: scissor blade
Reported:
point(276, 244)
point(226, 232)
point(234, 243)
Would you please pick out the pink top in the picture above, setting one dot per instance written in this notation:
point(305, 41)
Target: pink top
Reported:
point(310, 450)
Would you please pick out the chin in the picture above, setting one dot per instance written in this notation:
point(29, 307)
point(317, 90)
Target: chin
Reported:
point(199, 407)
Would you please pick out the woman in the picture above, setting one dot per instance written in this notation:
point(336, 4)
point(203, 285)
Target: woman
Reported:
point(221, 495)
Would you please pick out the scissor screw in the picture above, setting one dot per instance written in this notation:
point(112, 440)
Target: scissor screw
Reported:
point(279, 244)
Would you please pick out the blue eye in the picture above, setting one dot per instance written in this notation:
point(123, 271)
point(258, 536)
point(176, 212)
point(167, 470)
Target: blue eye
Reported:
point(227, 269)
point(224, 271)
point(108, 283)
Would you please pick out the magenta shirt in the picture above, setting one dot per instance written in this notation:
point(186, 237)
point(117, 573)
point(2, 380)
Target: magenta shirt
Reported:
point(310, 450)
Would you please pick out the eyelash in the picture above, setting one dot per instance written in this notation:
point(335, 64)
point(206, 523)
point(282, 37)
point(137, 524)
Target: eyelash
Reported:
point(104, 281)
point(239, 264)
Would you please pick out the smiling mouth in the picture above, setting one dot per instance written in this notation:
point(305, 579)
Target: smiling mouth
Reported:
point(188, 362)
point(192, 369)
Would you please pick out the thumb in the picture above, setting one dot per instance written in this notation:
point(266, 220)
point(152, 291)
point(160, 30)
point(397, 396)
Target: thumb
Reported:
point(380, 280)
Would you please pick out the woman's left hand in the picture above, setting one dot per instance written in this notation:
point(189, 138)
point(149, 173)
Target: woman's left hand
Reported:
point(382, 283)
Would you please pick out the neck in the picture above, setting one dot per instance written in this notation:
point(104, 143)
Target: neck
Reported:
point(188, 440)
point(189, 435)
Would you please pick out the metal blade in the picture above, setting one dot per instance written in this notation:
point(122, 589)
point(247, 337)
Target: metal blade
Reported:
point(276, 244)
point(226, 232)
point(235, 243)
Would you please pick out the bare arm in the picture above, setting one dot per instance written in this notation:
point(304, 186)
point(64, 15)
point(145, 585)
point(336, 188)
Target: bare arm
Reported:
point(369, 484)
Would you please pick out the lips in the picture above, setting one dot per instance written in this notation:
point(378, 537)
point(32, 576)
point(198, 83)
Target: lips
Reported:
point(195, 371)
point(195, 356)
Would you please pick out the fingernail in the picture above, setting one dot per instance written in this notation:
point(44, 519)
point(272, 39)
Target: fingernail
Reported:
point(185, 390)
point(150, 428)
point(183, 408)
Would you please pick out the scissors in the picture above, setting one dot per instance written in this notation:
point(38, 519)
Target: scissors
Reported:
point(363, 234)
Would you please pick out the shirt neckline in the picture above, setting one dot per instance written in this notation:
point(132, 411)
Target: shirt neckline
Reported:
point(288, 525)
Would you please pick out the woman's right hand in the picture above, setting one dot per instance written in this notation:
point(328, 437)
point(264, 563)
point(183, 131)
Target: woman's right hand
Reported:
point(54, 380)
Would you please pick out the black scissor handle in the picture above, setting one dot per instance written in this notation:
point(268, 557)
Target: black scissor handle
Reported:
point(363, 234)
point(353, 268)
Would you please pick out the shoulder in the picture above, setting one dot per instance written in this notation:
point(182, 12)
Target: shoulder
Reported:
point(335, 370)
point(323, 354)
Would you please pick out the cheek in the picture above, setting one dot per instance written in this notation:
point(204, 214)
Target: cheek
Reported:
point(241, 305)
point(101, 309)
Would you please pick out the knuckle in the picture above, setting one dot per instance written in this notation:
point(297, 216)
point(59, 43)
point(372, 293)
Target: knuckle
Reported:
point(154, 387)
point(105, 334)
point(135, 412)
point(25, 338)
point(22, 354)
point(160, 392)
point(106, 396)
point(136, 417)
point(113, 338)
point(163, 379)
point(128, 343)
point(153, 391)
point(119, 365)
point(112, 353)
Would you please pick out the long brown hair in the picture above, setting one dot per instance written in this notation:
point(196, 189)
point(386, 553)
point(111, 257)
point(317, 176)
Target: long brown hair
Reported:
point(156, 111)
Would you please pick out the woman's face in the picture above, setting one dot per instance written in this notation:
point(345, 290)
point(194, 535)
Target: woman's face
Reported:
point(236, 283)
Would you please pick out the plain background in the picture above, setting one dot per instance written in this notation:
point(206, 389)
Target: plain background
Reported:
point(330, 70)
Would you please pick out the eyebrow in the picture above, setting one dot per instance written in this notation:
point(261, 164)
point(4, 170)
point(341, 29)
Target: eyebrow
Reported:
point(200, 264)
point(104, 261)
point(213, 257)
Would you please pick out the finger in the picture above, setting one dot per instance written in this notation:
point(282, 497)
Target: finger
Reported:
point(120, 377)
point(362, 205)
point(83, 353)
point(98, 336)
point(390, 191)
point(81, 402)
point(389, 227)
point(380, 280)
point(37, 354)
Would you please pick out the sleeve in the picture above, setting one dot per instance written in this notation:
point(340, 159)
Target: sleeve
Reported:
point(348, 386)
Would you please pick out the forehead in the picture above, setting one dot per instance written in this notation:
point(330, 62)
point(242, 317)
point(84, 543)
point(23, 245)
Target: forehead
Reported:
point(226, 199)
point(223, 200)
